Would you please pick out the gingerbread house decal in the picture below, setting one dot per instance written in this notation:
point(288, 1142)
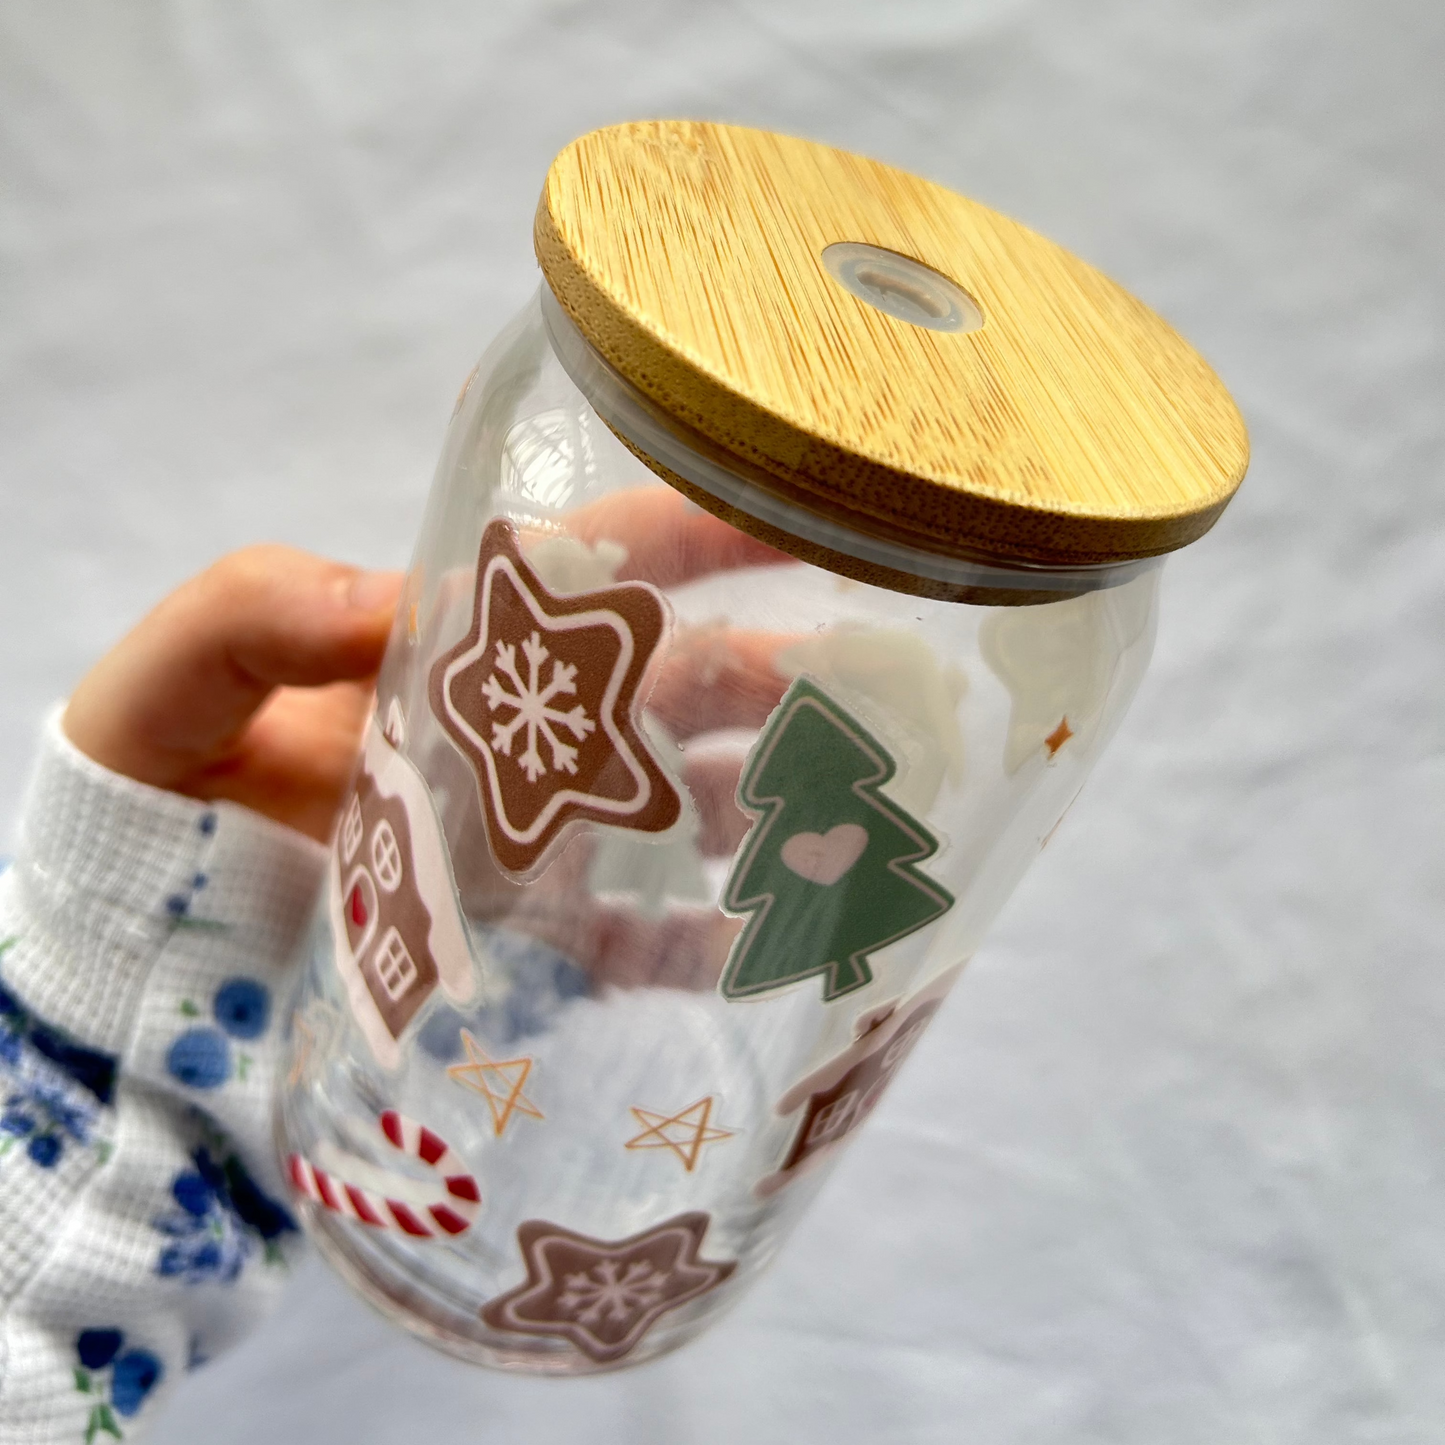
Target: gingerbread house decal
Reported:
point(396, 923)
point(838, 1097)
point(387, 922)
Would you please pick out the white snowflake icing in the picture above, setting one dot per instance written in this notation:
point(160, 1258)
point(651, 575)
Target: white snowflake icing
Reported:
point(603, 1293)
point(531, 702)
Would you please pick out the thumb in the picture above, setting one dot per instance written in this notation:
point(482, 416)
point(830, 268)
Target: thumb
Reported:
point(174, 694)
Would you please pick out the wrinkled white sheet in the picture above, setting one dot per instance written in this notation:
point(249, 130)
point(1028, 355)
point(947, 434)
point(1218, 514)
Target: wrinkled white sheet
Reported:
point(1171, 1165)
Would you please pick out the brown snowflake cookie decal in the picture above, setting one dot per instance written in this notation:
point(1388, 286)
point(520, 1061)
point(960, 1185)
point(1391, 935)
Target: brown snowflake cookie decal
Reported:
point(540, 697)
point(838, 1097)
point(602, 1296)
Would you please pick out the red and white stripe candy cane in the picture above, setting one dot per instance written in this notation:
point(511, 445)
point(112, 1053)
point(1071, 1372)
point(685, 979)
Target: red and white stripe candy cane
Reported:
point(458, 1200)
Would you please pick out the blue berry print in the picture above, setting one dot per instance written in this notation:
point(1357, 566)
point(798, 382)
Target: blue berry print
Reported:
point(200, 1059)
point(132, 1378)
point(116, 1383)
point(15, 1121)
point(193, 1194)
point(243, 1008)
point(45, 1150)
point(97, 1348)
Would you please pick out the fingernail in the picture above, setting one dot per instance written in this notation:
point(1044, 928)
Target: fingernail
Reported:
point(370, 590)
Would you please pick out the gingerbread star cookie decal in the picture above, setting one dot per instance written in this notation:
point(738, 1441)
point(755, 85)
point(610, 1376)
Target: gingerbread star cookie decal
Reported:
point(540, 697)
point(601, 1296)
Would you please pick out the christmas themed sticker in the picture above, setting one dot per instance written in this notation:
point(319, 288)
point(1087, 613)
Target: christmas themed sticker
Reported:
point(445, 1204)
point(395, 921)
point(498, 1081)
point(1059, 662)
point(838, 1097)
point(604, 1296)
point(828, 873)
point(540, 697)
point(683, 1133)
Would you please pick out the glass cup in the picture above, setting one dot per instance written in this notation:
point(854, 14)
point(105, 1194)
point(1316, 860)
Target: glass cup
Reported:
point(664, 848)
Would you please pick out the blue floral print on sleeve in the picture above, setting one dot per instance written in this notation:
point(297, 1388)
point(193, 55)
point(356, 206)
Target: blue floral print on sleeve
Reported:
point(199, 1059)
point(202, 1057)
point(221, 1217)
point(243, 1008)
point(52, 1088)
point(118, 1379)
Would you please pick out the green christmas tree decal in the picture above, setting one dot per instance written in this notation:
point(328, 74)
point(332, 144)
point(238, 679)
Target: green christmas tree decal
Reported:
point(828, 872)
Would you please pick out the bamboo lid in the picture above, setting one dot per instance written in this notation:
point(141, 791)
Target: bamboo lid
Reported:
point(754, 288)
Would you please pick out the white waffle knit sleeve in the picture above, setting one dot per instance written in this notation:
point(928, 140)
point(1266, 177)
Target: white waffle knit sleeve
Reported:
point(147, 944)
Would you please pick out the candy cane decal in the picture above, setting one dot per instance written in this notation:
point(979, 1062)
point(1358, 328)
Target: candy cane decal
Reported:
point(456, 1206)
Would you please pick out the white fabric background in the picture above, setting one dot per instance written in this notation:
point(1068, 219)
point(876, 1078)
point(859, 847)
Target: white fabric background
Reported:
point(1171, 1166)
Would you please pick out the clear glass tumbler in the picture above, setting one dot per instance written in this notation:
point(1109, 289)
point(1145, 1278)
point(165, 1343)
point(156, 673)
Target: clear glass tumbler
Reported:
point(664, 847)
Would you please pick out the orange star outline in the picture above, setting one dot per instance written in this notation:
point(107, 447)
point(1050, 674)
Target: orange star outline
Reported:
point(693, 1121)
point(301, 1050)
point(313, 1032)
point(1059, 736)
point(504, 1101)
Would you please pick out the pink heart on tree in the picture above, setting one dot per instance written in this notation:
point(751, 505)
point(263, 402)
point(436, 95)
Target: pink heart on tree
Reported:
point(825, 857)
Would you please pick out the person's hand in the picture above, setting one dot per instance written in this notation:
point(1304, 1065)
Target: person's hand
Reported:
point(250, 683)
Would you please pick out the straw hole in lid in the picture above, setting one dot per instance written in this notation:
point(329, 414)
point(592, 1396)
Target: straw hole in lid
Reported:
point(901, 287)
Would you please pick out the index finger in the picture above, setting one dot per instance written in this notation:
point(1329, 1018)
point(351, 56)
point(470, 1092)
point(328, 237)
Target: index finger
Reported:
point(183, 684)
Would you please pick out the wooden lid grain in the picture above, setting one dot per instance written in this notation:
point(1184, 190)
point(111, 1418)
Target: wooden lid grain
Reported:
point(1074, 426)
